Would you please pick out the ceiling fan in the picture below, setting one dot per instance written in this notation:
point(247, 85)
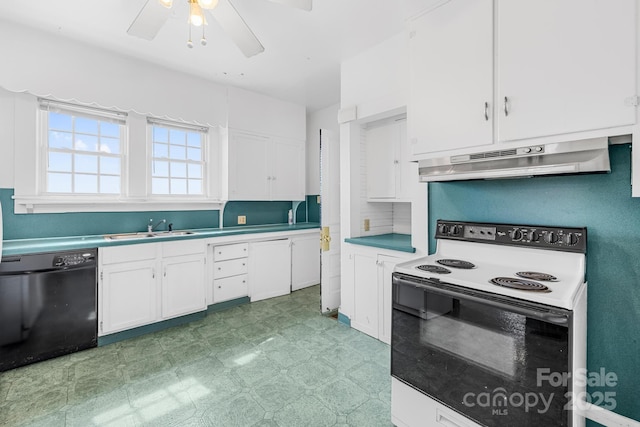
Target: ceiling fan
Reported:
point(155, 13)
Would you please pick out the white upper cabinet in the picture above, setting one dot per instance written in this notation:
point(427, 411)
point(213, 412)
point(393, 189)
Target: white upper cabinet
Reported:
point(564, 66)
point(390, 174)
point(264, 168)
point(485, 71)
point(451, 77)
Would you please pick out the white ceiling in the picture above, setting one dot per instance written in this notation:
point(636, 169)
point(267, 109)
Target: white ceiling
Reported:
point(303, 50)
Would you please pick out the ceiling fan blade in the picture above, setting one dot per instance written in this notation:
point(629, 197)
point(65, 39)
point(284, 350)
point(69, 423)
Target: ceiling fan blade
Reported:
point(298, 4)
point(235, 27)
point(150, 19)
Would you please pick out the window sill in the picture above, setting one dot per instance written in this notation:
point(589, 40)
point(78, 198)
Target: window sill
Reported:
point(54, 204)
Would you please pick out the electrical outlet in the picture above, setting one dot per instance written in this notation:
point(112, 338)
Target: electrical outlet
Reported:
point(242, 219)
point(366, 224)
point(318, 200)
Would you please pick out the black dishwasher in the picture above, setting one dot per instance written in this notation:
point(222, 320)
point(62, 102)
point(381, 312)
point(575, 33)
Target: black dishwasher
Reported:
point(48, 306)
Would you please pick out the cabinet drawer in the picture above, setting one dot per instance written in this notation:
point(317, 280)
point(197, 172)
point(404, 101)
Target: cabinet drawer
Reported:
point(230, 288)
point(222, 253)
point(183, 247)
point(128, 253)
point(232, 267)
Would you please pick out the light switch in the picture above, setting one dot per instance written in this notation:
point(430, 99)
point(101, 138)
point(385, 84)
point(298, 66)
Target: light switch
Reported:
point(366, 224)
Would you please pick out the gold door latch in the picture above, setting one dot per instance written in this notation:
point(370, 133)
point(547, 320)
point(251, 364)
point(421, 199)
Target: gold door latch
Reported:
point(325, 239)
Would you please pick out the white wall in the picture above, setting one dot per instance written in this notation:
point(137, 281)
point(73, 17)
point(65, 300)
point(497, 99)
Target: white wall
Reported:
point(326, 118)
point(46, 65)
point(6, 139)
point(376, 80)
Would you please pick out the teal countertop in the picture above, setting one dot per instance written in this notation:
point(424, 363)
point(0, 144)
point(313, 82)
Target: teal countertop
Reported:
point(52, 244)
point(393, 241)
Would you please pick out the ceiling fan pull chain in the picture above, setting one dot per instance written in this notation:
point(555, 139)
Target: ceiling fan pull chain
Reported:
point(190, 43)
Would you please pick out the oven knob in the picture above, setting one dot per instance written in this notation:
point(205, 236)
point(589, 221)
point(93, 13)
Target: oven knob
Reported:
point(570, 239)
point(444, 229)
point(533, 236)
point(516, 234)
point(551, 237)
point(455, 230)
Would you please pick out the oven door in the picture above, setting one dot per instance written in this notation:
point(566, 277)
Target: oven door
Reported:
point(497, 360)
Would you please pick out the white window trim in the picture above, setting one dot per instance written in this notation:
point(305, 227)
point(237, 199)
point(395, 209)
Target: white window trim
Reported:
point(206, 164)
point(28, 181)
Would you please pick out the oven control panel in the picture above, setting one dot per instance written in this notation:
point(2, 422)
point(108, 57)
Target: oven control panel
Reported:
point(568, 239)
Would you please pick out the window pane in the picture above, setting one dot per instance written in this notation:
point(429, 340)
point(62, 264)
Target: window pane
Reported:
point(110, 184)
point(177, 136)
point(160, 186)
point(160, 168)
point(160, 134)
point(110, 145)
point(195, 171)
point(195, 186)
point(160, 150)
point(85, 183)
point(178, 186)
point(86, 125)
point(86, 142)
point(60, 140)
point(194, 139)
point(59, 162)
point(110, 129)
point(85, 163)
point(59, 183)
point(178, 170)
point(60, 121)
point(177, 152)
point(110, 165)
point(194, 154)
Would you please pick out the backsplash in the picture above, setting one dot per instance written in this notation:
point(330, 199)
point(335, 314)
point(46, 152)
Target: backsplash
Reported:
point(27, 226)
point(602, 203)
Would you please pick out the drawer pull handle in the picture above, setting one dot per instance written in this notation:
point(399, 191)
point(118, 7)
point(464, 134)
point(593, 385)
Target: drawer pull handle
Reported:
point(219, 268)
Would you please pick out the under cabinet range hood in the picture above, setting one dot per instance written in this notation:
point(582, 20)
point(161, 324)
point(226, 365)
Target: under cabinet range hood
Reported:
point(570, 157)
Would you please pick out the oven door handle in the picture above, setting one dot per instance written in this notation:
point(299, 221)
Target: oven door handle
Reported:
point(553, 315)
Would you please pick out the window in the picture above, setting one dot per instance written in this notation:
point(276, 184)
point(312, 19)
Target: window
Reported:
point(84, 149)
point(177, 158)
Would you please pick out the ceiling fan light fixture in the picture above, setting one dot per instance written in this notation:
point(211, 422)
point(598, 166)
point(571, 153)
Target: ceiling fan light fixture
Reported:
point(166, 3)
point(208, 4)
point(196, 16)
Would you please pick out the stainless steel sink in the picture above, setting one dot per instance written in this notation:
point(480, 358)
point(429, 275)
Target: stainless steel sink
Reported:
point(146, 235)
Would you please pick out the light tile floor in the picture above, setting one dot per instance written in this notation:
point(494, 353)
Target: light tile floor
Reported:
point(276, 362)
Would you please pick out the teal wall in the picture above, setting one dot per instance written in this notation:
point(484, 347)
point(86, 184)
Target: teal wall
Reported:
point(602, 203)
point(257, 213)
point(313, 208)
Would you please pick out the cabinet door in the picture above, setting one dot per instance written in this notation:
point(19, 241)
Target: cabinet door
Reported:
point(564, 66)
point(305, 261)
point(128, 296)
point(382, 160)
point(451, 77)
point(269, 269)
point(287, 171)
point(183, 285)
point(249, 176)
point(365, 298)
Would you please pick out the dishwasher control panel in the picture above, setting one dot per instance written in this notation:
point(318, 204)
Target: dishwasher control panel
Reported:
point(72, 259)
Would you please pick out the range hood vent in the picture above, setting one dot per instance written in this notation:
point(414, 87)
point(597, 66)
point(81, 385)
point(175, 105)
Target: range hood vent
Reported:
point(583, 156)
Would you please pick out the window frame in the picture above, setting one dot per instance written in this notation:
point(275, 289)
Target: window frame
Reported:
point(47, 106)
point(205, 162)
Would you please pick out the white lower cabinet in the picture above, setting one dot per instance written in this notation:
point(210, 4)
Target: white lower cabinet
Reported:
point(269, 269)
point(372, 297)
point(305, 261)
point(145, 283)
point(230, 269)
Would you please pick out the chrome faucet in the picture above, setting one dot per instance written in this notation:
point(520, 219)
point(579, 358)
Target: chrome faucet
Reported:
point(151, 227)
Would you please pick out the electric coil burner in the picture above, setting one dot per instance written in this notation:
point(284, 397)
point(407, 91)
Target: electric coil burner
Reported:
point(524, 285)
point(536, 276)
point(456, 263)
point(433, 269)
point(510, 305)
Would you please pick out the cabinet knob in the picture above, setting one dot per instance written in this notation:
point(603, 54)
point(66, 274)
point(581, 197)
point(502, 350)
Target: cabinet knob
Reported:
point(219, 287)
point(219, 268)
point(243, 264)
